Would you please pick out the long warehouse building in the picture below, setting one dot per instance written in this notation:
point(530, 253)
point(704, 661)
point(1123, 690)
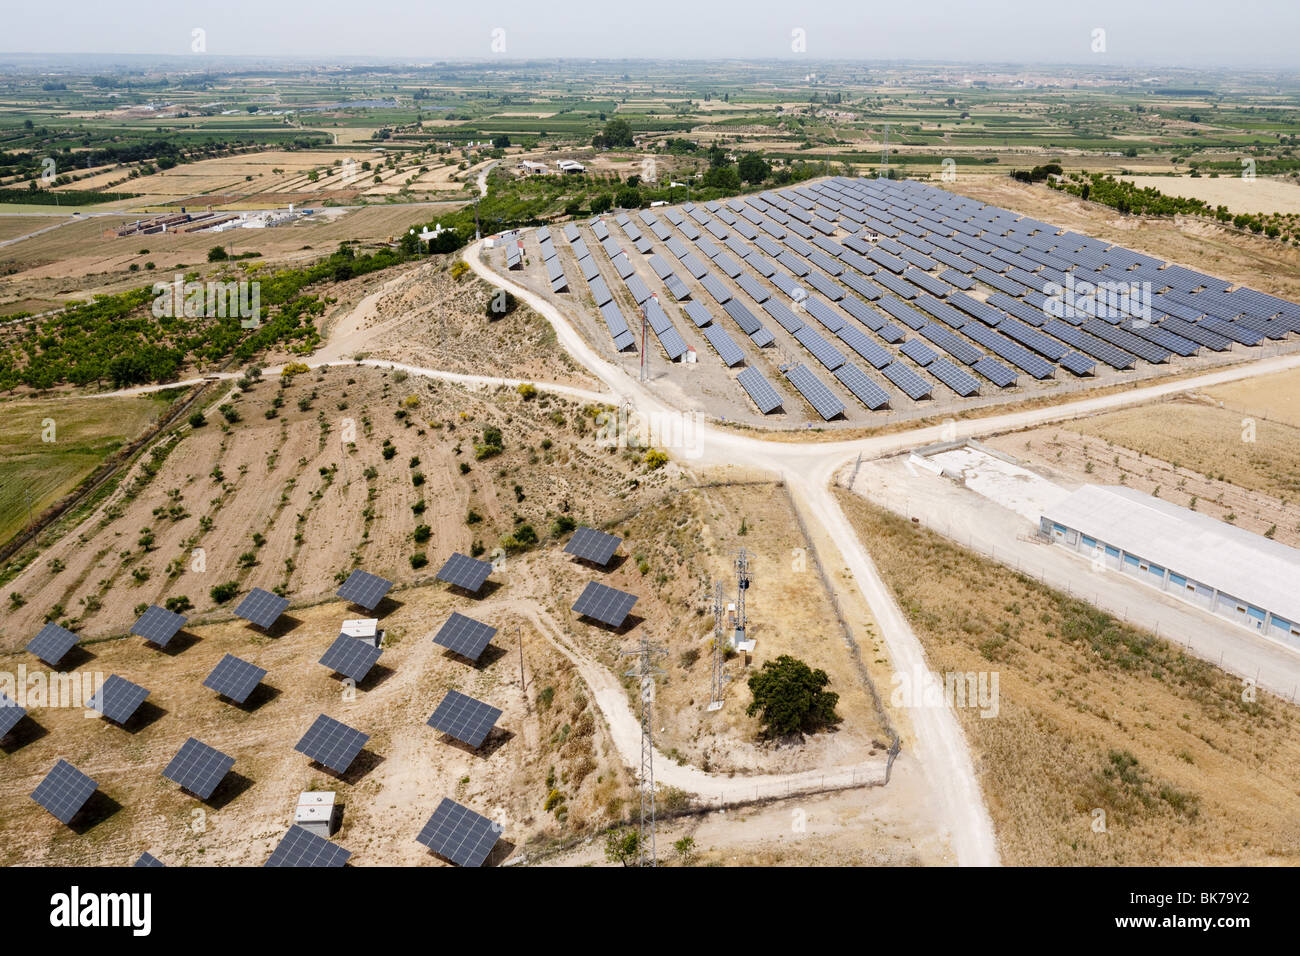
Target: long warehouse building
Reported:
point(1231, 572)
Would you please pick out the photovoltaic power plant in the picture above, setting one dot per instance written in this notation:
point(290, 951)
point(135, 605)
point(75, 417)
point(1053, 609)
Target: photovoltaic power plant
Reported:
point(158, 625)
point(303, 848)
point(10, 713)
point(52, 643)
point(148, 860)
point(605, 604)
point(198, 768)
point(234, 678)
point(118, 699)
point(592, 545)
point(465, 572)
point(64, 791)
point(364, 589)
point(459, 834)
point(351, 657)
point(759, 389)
point(464, 636)
point(332, 743)
point(261, 608)
point(466, 719)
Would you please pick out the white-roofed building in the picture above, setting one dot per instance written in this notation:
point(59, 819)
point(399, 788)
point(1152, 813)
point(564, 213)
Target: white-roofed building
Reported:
point(1231, 572)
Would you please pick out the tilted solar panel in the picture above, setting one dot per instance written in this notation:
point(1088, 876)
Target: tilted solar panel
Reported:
point(261, 608)
point(464, 718)
point(64, 791)
point(592, 545)
point(821, 398)
point(331, 743)
point(465, 572)
point(198, 768)
point(759, 389)
point(364, 589)
point(234, 678)
point(464, 636)
point(867, 392)
point(605, 604)
point(459, 834)
point(158, 625)
point(351, 657)
point(301, 847)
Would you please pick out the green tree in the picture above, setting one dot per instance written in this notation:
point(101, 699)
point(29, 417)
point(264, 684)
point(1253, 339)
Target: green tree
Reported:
point(601, 203)
point(623, 846)
point(753, 168)
point(790, 697)
point(501, 142)
point(217, 254)
point(629, 197)
point(617, 134)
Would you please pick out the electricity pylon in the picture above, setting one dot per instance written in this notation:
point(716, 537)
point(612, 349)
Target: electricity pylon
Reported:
point(646, 671)
point(719, 615)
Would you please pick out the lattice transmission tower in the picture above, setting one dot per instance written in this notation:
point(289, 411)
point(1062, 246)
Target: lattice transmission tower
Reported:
point(645, 671)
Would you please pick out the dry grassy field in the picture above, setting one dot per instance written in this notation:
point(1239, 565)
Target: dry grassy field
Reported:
point(1238, 194)
point(1095, 716)
point(1257, 455)
point(1274, 397)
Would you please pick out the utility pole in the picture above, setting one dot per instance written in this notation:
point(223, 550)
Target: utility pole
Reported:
point(742, 586)
point(523, 689)
point(884, 154)
point(719, 614)
point(646, 672)
point(645, 321)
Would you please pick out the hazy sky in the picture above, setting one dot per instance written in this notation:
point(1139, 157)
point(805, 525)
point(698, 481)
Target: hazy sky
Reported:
point(1244, 33)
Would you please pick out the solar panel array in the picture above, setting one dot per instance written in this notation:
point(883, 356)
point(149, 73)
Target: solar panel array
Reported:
point(64, 791)
point(464, 718)
point(158, 625)
point(148, 860)
point(591, 545)
point(605, 604)
point(198, 768)
point(821, 398)
point(261, 607)
point(759, 389)
point(351, 657)
point(301, 847)
point(331, 743)
point(10, 713)
point(465, 572)
point(117, 699)
point(364, 589)
point(234, 678)
point(52, 643)
point(464, 636)
point(459, 834)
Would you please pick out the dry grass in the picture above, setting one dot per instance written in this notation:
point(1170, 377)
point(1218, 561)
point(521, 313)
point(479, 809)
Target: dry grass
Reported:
point(1258, 455)
point(1094, 714)
point(1276, 397)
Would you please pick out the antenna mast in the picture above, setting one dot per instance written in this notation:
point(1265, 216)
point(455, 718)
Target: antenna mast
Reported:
point(719, 614)
point(646, 672)
point(742, 586)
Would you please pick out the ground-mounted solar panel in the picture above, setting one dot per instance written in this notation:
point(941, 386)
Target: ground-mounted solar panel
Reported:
point(832, 319)
point(364, 589)
point(904, 313)
point(1077, 364)
point(301, 847)
point(605, 604)
point(867, 392)
point(913, 386)
point(956, 378)
point(724, 345)
point(762, 337)
point(555, 273)
point(52, 643)
point(673, 343)
point(753, 288)
point(591, 545)
point(825, 286)
point(464, 718)
point(465, 636)
point(995, 372)
point(959, 349)
point(714, 287)
point(465, 572)
point(742, 316)
point(759, 389)
point(857, 340)
point(1091, 345)
point(784, 315)
point(640, 291)
point(1129, 342)
point(761, 264)
point(825, 353)
point(332, 743)
point(460, 835)
point(234, 678)
point(821, 398)
point(261, 608)
point(1004, 348)
point(351, 657)
point(10, 713)
point(918, 352)
point(198, 768)
point(590, 271)
point(697, 313)
point(1195, 333)
point(676, 287)
point(1176, 344)
point(148, 860)
point(117, 699)
point(64, 791)
point(157, 625)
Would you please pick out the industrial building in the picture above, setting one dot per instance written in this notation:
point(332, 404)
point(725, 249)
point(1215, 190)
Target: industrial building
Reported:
point(1226, 570)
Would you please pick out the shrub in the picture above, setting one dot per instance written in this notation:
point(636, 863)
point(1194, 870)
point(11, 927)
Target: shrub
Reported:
point(562, 525)
point(178, 604)
point(294, 368)
point(790, 697)
point(422, 533)
point(224, 592)
point(417, 478)
point(419, 560)
point(473, 517)
point(197, 420)
point(527, 390)
point(655, 459)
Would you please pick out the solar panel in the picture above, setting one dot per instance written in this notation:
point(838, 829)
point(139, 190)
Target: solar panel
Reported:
point(857, 340)
point(148, 860)
point(464, 636)
point(722, 343)
point(459, 834)
point(364, 589)
point(303, 848)
point(351, 657)
point(698, 314)
point(995, 372)
point(332, 743)
point(158, 625)
point(64, 791)
point(868, 392)
point(913, 386)
point(759, 389)
point(821, 398)
point(117, 699)
point(466, 719)
point(465, 572)
point(918, 352)
point(261, 607)
point(10, 713)
point(605, 604)
point(957, 379)
point(831, 357)
point(198, 768)
point(234, 678)
point(1078, 364)
point(592, 545)
point(52, 643)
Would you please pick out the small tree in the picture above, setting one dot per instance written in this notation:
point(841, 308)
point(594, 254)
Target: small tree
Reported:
point(685, 849)
point(217, 254)
point(790, 698)
point(623, 846)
